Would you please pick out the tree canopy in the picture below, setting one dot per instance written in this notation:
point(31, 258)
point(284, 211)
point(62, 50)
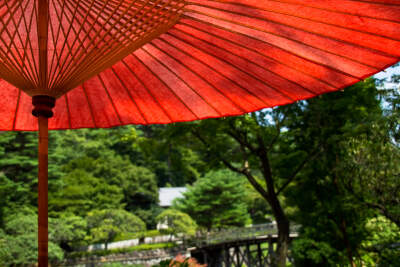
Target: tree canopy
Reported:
point(216, 200)
point(105, 225)
point(176, 222)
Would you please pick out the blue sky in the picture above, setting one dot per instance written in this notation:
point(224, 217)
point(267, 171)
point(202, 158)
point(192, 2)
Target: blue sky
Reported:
point(388, 72)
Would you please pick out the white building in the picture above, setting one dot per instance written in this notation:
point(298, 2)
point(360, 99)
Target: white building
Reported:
point(168, 194)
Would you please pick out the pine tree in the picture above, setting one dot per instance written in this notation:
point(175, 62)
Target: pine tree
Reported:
point(216, 200)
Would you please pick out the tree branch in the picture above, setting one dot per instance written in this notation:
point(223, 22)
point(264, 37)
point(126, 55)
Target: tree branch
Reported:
point(242, 141)
point(291, 178)
point(381, 208)
point(384, 212)
point(265, 167)
point(244, 171)
point(278, 124)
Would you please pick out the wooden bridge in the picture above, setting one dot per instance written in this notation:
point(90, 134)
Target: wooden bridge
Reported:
point(250, 246)
point(237, 247)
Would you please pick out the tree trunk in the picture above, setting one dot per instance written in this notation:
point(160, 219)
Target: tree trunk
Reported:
point(269, 193)
point(277, 210)
point(283, 242)
point(279, 260)
point(347, 244)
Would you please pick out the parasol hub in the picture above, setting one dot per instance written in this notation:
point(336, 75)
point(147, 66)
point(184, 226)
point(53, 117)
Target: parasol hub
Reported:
point(43, 106)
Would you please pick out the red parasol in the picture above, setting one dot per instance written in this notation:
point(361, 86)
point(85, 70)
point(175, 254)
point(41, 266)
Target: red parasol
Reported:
point(116, 62)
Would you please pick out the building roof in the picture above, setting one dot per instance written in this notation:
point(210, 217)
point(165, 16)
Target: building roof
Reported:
point(168, 194)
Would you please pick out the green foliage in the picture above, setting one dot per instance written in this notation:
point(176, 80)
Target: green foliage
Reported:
point(68, 230)
point(308, 252)
point(148, 215)
point(105, 225)
point(106, 182)
point(117, 171)
point(18, 242)
point(88, 169)
point(177, 222)
point(174, 163)
point(7, 191)
point(18, 171)
point(259, 210)
point(216, 201)
point(82, 192)
point(259, 148)
point(333, 222)
point(370, 169)
point(381, 247)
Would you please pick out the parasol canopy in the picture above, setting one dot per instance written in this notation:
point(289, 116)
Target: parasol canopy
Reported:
point(118, 62)
point(104, 63)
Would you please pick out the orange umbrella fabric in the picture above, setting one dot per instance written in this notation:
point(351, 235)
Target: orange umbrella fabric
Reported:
point(122, 62)
point(105, 63)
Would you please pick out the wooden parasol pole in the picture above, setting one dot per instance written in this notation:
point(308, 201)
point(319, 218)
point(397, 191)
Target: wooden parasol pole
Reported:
point(43, 111)
point(42, 192)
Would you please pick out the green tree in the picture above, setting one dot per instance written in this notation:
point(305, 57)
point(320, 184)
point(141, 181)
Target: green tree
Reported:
point(7, 193)
point(371, 167)
point(260, 213)
point(82, 192)
point(371, 172)
point(68, 230)
point(18, 242)
point(310, 252)
point(105, 225)
point(380, 248)
point(174, 164)
point(17, 171)
point(329, 215)
point(176, 222)
point(138, 184)
point(108, 181)
point(258, 147)
point(216, 200)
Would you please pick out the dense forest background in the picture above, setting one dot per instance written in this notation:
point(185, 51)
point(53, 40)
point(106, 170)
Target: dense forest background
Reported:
point(329, 164)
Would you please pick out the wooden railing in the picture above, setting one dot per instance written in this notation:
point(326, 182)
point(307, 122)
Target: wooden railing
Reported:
point(203, 239)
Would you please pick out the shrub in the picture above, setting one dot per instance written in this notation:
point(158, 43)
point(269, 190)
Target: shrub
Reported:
point(177, 222)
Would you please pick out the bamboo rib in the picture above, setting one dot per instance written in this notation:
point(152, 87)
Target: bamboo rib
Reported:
point(94, 56)
point(51, 46)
